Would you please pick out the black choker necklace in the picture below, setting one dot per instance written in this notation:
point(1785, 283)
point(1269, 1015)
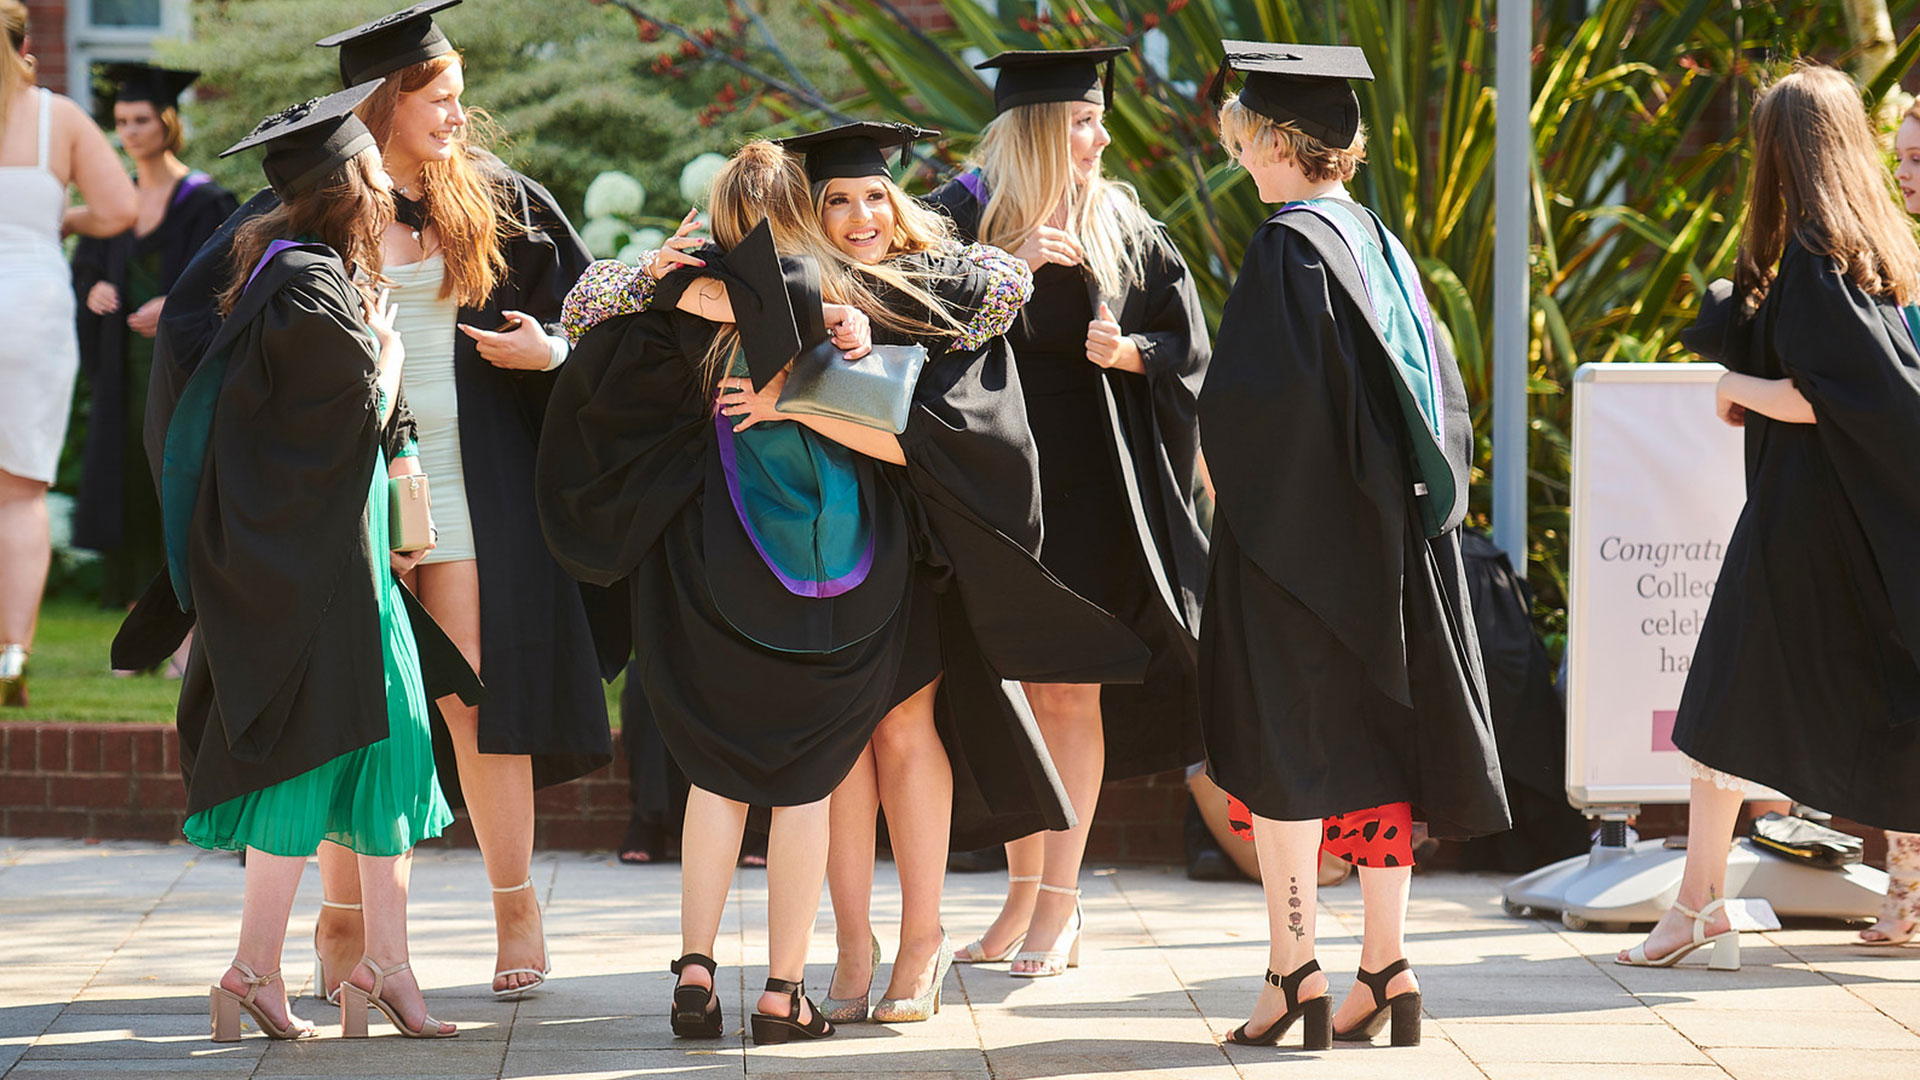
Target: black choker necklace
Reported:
point(411, 213)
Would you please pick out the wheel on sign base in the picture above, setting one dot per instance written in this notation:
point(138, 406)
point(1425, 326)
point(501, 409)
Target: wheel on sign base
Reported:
point(1515, 909)
point(1574, 922)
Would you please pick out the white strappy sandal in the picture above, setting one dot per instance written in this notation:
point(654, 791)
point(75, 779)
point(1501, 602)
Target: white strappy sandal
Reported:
point(515, 993)
point(1726, 944)
point(976, 952)
point(320, 965)
point(1066, 949)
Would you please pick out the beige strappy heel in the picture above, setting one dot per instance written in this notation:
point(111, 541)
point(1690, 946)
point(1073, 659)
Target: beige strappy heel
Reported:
point(1066, 949)
point(514, 993)
point(1726, 944)
point(976, 951)
point(224, 1006)
point(355, 1000)
point(320, 965)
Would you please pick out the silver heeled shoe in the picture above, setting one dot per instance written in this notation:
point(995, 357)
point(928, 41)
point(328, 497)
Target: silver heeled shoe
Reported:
point(907, 1010)
point(976, 951)
point(1066, 948)
point(850, 1010)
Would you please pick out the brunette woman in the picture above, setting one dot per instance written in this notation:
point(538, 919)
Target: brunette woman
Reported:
point(46, 143)
point(1343, 679)
point(303, 712)
point(121, 283)
point(1807, 675)
point(480, 258)
point(1112, 351)
point(773, 665)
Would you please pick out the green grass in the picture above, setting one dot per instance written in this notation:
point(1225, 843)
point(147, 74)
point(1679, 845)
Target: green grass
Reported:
point(68, 677)
point(69, 681)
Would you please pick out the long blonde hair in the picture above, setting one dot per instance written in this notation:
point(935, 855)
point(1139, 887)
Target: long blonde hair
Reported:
point(348, 212)
point(462, 202)
point(1024, 156)
point(16, 71)
point(1818, 177)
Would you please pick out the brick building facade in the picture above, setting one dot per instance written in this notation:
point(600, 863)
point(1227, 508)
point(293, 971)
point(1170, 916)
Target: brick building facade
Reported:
point(68, 35)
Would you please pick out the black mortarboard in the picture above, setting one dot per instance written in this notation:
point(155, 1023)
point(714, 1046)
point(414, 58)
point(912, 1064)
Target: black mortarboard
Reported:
point(390, 43)
point(136, 82)
point(1032, 76)
point(854, 150)
point(1307, 85)
point(307, 142)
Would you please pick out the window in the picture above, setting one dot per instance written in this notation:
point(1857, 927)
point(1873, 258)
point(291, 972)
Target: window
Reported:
point(143, 14)
point(103, 30)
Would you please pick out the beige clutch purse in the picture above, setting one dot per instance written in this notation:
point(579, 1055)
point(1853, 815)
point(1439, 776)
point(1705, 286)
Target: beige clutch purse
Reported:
point(409, 522)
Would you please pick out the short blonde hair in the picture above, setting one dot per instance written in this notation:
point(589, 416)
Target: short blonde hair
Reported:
point(1241, 127)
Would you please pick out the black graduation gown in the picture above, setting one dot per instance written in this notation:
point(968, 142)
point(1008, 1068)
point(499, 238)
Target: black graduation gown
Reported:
point(630, 488)
point(1806, 676)
point(1338, 658)
point(195, 208)
point(286, 671)
point(542, 657)
point(1148, 425)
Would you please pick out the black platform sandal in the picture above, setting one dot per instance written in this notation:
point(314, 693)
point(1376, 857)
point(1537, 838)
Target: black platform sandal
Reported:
point(1318, 1011)
point(696, 1009)
point(769, 1029)
point(1404, 1009)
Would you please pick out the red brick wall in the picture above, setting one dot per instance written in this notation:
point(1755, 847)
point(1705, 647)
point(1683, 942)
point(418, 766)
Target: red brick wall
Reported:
point(926, 14)
point(122, 782)
point(47, 22)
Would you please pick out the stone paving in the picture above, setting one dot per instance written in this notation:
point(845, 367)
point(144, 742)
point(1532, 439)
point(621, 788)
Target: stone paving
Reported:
point(108, 950)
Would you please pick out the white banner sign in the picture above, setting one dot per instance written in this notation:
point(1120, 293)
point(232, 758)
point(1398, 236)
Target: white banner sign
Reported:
point(1658, 483)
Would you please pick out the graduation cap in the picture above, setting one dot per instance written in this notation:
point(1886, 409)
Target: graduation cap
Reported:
point(390, 42)
point(854, 150)
point(776, 302)
point(307, 142)
point(118, 82)
point(1032, 76)
point(1307, 85)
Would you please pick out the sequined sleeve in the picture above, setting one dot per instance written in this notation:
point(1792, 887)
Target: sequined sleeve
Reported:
point(1009, 285)
point(607, 288)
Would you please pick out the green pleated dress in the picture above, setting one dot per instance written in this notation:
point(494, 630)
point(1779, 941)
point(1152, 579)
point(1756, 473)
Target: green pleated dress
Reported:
point(379, 800)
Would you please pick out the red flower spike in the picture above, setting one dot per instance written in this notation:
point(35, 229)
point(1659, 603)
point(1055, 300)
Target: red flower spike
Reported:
point(1175, 6)
point(1074, 18)
point(1149, 20)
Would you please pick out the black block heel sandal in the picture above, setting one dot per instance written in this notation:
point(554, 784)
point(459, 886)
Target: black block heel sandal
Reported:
point(1404, 1009)
point(1316, 1034)
point(769, 1029)
point(696, 1009)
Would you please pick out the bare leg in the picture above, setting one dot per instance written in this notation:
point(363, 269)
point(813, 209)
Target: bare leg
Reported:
point(1383, 895)
point(1069, 717)
point(1902, 907)
point(709, 843)
point(916, 786)
point(1711, 814)
point(26, 551)
point(268, 902)
point(383, 884)
point(850, 876)
point(1026, 858)
point(340, 935)
point(498, 787)
point(1290, 856)
point(796, 865)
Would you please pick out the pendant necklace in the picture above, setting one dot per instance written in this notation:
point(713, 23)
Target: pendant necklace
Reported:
point(410, 213)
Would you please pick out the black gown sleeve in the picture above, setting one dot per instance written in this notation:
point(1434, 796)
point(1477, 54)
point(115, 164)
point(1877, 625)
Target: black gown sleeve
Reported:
point(1298, 447)
point(622, 452)
point(1860, 370)
point(1172, 330)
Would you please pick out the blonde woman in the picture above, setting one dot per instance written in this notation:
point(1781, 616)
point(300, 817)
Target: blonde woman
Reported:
point(46, 143)
point(1112, 352)
point(1807, 675)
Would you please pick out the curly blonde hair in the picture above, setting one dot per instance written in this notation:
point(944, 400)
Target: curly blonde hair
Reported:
point(1241, 127)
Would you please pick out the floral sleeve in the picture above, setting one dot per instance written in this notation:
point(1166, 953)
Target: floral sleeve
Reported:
point(1009, 284)
point(607, 288)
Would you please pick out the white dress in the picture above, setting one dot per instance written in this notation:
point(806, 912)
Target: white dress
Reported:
point(39, 354)
point(425, 323)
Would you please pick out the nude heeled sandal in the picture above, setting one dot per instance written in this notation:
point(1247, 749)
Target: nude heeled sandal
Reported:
point(224, 1007)
point(356, 999)
point(976, 952)
point(319, 965)
point(515, 993)
point(1726, 945)
point(1066, 948)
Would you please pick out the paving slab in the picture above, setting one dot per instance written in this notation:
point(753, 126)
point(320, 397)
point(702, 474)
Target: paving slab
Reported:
point(113, 946)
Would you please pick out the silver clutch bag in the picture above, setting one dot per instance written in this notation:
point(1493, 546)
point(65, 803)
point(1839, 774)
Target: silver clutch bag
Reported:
point(409, 521)
point(875, 391)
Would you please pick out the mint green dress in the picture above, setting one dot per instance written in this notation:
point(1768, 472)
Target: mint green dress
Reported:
point(379, 800)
